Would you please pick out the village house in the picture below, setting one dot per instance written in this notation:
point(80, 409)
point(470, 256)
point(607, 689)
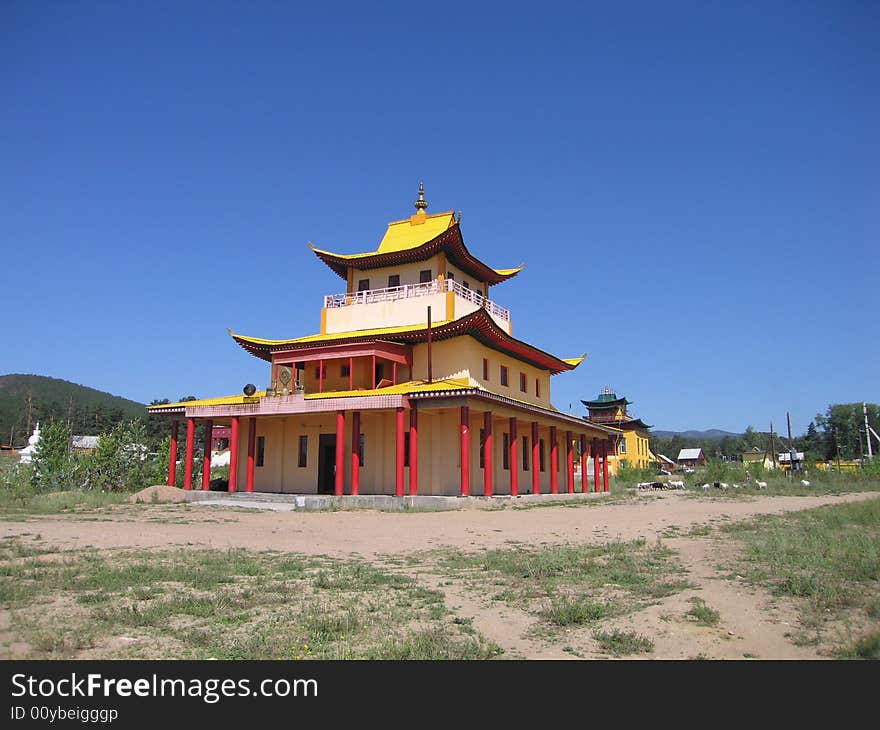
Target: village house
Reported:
point(414, 384)
point(690, 458)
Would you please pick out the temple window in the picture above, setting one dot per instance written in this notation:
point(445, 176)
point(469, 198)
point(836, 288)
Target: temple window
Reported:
point(425, 276)
point(522, 382)
point(485, 369)
point(482, 448)
point(503, 375)
point(537, 387)
point(363, 284)
point(345, 371)
point(541, 454)
point(320, 371)
point(303, 450)
point(261, 450)
point(393, 280)
point(525, 453)
point(505, 451)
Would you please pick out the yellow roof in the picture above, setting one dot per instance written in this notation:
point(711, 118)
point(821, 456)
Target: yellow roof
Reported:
point(414, 231)
point(377, 332)
point(403, 235)
point(574, 361)
point(226, 400)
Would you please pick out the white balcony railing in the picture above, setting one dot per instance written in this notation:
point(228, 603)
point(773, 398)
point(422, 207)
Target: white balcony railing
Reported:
point(408, 291)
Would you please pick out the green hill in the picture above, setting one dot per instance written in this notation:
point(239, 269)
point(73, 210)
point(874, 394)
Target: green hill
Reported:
point(26, 399)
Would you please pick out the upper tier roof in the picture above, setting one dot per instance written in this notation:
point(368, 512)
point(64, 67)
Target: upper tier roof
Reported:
point(478, 324)
point(418, 238)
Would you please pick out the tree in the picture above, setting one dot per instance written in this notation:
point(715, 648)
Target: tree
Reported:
point(52, 462)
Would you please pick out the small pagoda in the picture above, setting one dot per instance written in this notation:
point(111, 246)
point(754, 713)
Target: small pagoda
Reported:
point(633, 444)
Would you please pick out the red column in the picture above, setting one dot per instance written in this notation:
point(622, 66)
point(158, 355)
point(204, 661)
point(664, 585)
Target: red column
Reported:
point(233, 455)
point(569, 463)
point(536, 473)
point(585, 482)
point(414, 448)
point(399, 461)
point(340, 454)
point(355, 452)
point(596, 465)
point(206, 456)
point(488, 452)
point(394, 373)
point(605, 465)
point(252, 448)
point(554, 462)
point(514, 464)
point(465, 451)
point(172, 455)
point(190, 444)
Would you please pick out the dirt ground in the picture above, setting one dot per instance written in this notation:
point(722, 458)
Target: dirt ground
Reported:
point(753, 623)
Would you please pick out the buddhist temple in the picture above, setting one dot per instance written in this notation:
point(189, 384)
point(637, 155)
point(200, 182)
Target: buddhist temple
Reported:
point(414, 384)
point(633, 442)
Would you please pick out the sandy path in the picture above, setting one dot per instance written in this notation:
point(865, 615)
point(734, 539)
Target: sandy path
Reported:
point(752, 624)
point(371, 534)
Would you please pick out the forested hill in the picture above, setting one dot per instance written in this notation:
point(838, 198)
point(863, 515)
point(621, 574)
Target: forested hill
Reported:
point(26, 399)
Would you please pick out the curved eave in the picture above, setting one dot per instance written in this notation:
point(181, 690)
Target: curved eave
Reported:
point(600, 404)
point(450, 242)
point(478, 324)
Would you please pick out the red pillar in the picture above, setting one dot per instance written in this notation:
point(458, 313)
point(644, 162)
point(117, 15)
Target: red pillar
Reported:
point(233, 455)
point(514, 464)
point(355, 452)
point(252, 448)
point(595, 465)
point(399, 461)
point(206, 456)
point(585, 482)
point(394, 373)
point(465, 452)
point(605, 465)
point(536, 457)
point(190, 444)
point(554, 462)
point(340, 454)
point(569, 462)
point(172, 455)
point(414, 448)
point(488, 452)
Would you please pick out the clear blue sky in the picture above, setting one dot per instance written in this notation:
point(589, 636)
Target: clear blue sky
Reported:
point(693, 187)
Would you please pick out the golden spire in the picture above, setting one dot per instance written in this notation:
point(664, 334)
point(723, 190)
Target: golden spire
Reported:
point(421, 204)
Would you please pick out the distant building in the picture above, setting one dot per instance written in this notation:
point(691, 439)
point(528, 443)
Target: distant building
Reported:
point(83, 444)
point(664, 462)
point(632, 447)
point(691, 457)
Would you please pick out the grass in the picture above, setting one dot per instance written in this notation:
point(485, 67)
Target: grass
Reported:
point(827, 558)
point(623, 643)
point(703, 614)
point(232, 604)
point(569, 585)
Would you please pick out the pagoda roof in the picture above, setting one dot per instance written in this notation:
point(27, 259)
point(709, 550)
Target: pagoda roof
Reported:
point(478, 324)
point(417, 239)
point(606, 400)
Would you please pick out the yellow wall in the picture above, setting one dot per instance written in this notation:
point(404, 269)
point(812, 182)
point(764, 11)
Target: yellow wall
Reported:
point(462, 357)
point(638, 452)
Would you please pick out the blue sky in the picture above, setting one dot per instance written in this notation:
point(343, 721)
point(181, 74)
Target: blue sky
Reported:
point(693, 187)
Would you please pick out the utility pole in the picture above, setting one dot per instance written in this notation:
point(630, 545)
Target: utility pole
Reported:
point(867, 431)
point(792, 454)
point(772, 446)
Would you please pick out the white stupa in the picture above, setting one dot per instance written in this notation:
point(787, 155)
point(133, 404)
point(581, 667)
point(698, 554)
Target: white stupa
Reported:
point(26, 455)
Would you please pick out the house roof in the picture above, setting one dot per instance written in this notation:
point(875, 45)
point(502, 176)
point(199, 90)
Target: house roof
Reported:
point(689, 454)
point(84, 442)
point(665, 459)
point(406, 241)
point(478, 324)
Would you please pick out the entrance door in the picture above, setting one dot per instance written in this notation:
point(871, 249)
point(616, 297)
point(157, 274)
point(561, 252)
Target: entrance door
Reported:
point(327, 463)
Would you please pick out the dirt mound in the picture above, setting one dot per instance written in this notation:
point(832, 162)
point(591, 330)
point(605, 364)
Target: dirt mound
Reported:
point(157, 493)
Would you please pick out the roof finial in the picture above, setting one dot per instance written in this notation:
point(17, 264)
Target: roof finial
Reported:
point(421, 204)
